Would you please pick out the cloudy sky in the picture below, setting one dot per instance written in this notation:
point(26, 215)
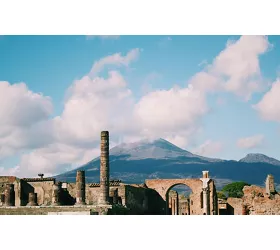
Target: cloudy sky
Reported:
point(218, 96)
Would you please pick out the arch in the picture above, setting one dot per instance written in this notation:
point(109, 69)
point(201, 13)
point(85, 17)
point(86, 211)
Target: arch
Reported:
point(174, 203)
point(162, 186)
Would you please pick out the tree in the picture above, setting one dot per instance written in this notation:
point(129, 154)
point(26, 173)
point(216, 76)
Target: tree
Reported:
point(234, 189)
point(221, 195)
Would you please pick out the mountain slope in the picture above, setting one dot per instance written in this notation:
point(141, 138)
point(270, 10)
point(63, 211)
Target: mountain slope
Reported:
point(135, 162)
point(259, 158)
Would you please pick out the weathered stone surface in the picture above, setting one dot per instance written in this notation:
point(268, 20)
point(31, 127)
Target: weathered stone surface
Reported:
point(162, 186)
point(9, 195)
point(32, 199)
point(56, 194)
point(80, 188)
point(104, 168)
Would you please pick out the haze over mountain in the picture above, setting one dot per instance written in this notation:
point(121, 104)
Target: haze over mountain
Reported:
point(135, 162)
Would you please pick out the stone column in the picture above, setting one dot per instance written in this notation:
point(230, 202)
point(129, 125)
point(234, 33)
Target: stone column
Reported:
point(176, 204)
point(205, 201)
point(56, 194)
point(205, 192)
point(104, 169)
point(9, 195)
point(80, 188)
point(173, 206)
point(32, 199)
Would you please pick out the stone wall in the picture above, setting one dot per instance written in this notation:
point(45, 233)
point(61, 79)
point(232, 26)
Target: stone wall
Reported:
point(234, 206)
point(41, 187)
point(257, 201)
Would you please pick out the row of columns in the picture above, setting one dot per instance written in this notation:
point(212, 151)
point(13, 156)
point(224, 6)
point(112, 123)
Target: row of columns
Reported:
point(81, 182)
point(8, 198)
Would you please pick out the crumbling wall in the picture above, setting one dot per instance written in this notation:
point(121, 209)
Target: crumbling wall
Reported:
point(258, 202)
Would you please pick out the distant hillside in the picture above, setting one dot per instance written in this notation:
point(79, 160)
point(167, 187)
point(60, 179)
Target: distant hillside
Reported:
point(260, 158)
point(135, 162)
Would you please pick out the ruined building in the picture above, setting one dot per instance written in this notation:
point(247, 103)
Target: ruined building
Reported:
point(255, 201)
point(47, 196)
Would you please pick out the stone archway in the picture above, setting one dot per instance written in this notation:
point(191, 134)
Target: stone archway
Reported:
point(175, 203)
point(203, 200)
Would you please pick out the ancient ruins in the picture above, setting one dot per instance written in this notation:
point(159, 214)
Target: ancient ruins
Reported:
point(46, 196)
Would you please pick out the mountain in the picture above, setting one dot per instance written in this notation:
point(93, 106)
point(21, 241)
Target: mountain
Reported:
point(146, 159)
point(258, 158)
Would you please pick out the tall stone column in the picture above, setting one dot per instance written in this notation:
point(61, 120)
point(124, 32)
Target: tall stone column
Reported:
point(32, 199)
point(56, 194)
point(104, 169)
point(9, 195)
point(80, 188)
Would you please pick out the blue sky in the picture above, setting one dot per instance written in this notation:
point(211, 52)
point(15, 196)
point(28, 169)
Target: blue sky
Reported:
point(226, 125)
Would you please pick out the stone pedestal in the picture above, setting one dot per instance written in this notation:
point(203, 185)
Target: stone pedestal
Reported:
point(9, 195)
point(104, 169)
point(32, 199)
point(80, 188)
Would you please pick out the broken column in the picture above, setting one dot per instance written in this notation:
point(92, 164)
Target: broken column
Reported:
point(32, 199)
point(269, 184)
point(56, 193)
point(80, 188)
point(104, 169)
point(9, 195)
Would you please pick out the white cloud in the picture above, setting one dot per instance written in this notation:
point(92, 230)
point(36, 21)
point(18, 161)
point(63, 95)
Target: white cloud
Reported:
point(116, 60)
point(52, 159)
point(250, 142)
point(97, 103)
point(236, 69)
point(209, 148)
point(23, 116)
point(9, 171)
point(269, 106)
point(170, 110)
